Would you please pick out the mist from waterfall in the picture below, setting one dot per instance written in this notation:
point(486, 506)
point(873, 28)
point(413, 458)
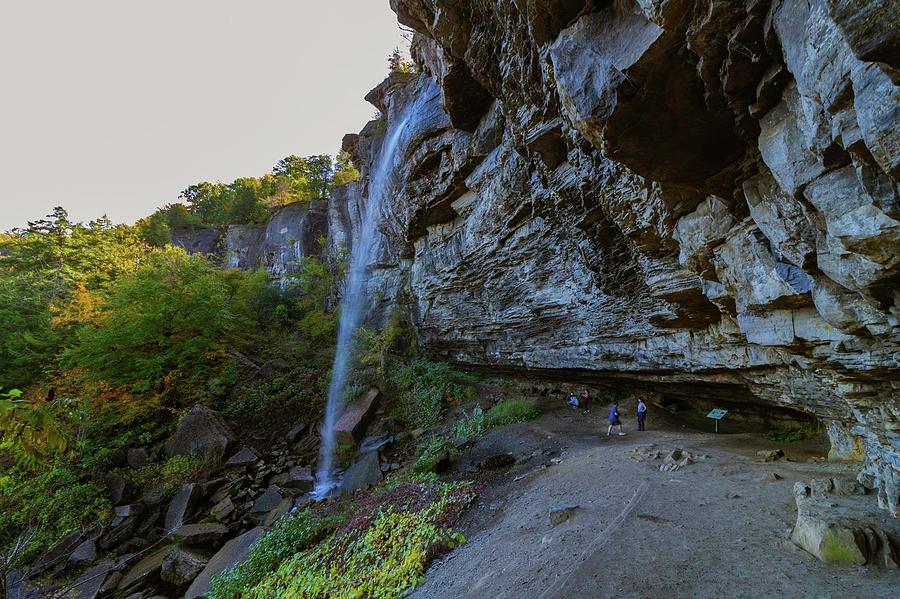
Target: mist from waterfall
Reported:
point(354, 300)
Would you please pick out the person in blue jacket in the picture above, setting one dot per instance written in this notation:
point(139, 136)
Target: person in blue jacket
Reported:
point(614, 419)
point(641, 414)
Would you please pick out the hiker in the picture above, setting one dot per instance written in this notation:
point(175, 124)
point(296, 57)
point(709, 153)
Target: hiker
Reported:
point(614, 419)
point(585, 402)
point(641, 414)
point(572, 400)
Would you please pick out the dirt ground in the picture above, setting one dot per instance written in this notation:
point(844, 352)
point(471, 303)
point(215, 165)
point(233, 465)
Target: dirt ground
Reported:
point(713, 529)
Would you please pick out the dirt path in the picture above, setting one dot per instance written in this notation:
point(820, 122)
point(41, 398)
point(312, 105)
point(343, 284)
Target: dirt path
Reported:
point(712, 529)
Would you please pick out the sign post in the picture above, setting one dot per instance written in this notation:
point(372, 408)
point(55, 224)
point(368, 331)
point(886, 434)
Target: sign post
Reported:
point(717, 415)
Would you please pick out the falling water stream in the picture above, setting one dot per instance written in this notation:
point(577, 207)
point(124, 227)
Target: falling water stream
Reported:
point(353, 303)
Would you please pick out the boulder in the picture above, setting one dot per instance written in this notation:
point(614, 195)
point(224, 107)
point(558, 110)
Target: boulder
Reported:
point(202, 432)
point(181, 506)
point(199, 534)
point(85, 554)
point(182, 566)
point(676, 460)
point(231, 553)
point(120, 489)
point(90, 583)
point(52, 556)
point(131, 509)
point(770, 477)
point(296, 433)
point(836, 534)
point(376, 442)
point(117, 534)
point(365, 472)
point(138, 457)
point(222, 510)
point(560, 513)
point(145, 569)
point(300, 478)
point(267, 502)
point(769, 455)
point(245, 457)
point(356, 417)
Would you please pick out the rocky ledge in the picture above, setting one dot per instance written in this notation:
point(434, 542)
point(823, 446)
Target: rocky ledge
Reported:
point(697, 198)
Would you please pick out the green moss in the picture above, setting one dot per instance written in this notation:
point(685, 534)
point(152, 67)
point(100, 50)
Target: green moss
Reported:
point(841, 549)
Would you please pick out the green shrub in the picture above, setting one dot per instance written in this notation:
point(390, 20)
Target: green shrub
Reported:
point(430, 452)
point(804, 433)
point(55, 502)
point(512, 411)
point(470, 424)
point(423, 389)
point(292, 535)
point(173, 473)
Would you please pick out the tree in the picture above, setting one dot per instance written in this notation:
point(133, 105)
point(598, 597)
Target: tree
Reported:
point(344, 170)
point(40, 266)
point(307, 178)
point(176, 313)
point(399, 62)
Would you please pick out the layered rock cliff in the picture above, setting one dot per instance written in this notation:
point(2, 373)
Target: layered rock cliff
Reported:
point(696, 196)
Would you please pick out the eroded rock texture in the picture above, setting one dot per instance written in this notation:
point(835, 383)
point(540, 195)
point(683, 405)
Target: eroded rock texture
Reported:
point(293, 232)
point(698, 196)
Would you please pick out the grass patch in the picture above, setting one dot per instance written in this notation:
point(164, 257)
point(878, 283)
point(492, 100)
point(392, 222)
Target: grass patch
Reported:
point(296, 533)
point(511, 411)
point(382, 551)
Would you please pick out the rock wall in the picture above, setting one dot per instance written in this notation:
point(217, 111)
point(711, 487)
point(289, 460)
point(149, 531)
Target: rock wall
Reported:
point(698, 197)
point(294, 231)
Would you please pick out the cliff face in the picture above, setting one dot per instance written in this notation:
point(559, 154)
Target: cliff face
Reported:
point(293, 232)
point(696, 196)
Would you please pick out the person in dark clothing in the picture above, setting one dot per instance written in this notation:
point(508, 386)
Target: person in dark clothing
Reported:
point(614, 419)
point(585, 402)
point(641, 414)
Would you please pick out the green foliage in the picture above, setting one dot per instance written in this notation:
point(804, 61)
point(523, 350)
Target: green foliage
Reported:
point(804, 433)
point(248, 200)
point(176, 313)
point(55, 502)
point(398, 62)
point(41, 266)
point(423, 390)
point(470, 425)
point(293, 534)
point(157, 228)
point(344, 170)
point(512, 411)
point(430, 453)
point(171, 474)
point(380, 553)
point(30, 430)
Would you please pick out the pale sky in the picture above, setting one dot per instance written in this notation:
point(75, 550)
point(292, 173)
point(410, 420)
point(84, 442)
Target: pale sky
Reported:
point(115, 106)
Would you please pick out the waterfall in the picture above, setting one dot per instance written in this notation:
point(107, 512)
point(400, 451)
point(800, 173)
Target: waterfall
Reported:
point(353, 303)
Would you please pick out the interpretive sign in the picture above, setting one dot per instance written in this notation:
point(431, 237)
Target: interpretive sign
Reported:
point(717, 415)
